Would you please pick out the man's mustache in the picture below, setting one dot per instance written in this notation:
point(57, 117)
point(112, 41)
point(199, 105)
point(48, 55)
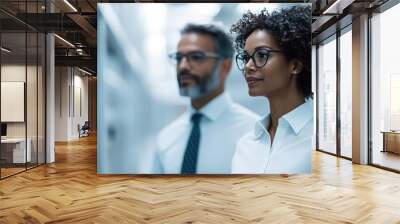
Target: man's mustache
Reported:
point(187, 74)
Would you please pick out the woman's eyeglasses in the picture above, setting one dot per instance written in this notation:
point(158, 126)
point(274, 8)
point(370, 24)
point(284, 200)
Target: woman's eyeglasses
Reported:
point(260, 57)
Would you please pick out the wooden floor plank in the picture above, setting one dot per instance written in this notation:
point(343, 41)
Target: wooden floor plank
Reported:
point(70, 191)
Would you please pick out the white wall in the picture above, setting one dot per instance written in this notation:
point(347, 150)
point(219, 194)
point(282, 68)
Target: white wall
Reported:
point(17, 73)
point(12, 73)
point(61, 103)
point(70, 83)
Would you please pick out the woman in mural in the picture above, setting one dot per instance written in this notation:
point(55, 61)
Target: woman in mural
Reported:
point(274, 54)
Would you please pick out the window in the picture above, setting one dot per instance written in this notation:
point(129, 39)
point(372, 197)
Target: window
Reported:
point(385, 89)
point(346, 92)
point(327, 96)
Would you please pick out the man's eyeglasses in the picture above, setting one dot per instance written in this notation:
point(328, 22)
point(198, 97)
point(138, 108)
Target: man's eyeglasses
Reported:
point(193, 57)
point(260, 57)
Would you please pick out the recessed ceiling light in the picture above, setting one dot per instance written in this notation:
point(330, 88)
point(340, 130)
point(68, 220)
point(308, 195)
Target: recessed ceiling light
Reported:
point(337, 7)
point(70, 5)
point(64, 40)
point(5, 50)
point(84, 71)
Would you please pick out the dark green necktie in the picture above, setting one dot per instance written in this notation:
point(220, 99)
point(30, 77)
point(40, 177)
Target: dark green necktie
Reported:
point(192, 149)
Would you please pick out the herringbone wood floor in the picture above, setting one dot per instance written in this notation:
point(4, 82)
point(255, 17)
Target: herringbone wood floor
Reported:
point(70, 191)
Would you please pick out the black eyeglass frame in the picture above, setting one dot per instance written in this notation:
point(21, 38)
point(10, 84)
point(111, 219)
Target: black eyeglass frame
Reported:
point(252, 57)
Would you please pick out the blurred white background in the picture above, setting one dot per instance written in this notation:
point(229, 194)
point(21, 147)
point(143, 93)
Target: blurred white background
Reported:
point(137, 87)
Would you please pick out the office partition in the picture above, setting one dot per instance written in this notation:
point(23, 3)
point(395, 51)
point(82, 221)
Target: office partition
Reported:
point(22, 78)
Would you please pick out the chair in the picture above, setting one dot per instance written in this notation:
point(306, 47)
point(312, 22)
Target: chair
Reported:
point(84, 130)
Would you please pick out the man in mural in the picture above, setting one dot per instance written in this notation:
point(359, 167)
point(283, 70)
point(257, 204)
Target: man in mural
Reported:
point(203, 139)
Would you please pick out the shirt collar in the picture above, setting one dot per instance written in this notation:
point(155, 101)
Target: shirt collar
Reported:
point(213, 109)
point(260, 126)
point(297, 119)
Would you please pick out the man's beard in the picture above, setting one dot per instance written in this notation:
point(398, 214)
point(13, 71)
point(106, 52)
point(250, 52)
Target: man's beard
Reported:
point(203, 85)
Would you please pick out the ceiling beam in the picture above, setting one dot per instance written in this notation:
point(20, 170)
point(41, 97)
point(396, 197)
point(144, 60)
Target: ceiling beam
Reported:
point(85, 25)
point(84, 61)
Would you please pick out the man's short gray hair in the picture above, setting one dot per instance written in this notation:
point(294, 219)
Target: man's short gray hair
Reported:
point(222, 41)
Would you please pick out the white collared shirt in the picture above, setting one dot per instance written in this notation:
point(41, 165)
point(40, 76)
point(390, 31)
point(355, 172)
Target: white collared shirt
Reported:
point(290, 152)
point(221, 126)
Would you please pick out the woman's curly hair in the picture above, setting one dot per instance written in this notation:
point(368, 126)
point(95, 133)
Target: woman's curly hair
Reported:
point(291, 29)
